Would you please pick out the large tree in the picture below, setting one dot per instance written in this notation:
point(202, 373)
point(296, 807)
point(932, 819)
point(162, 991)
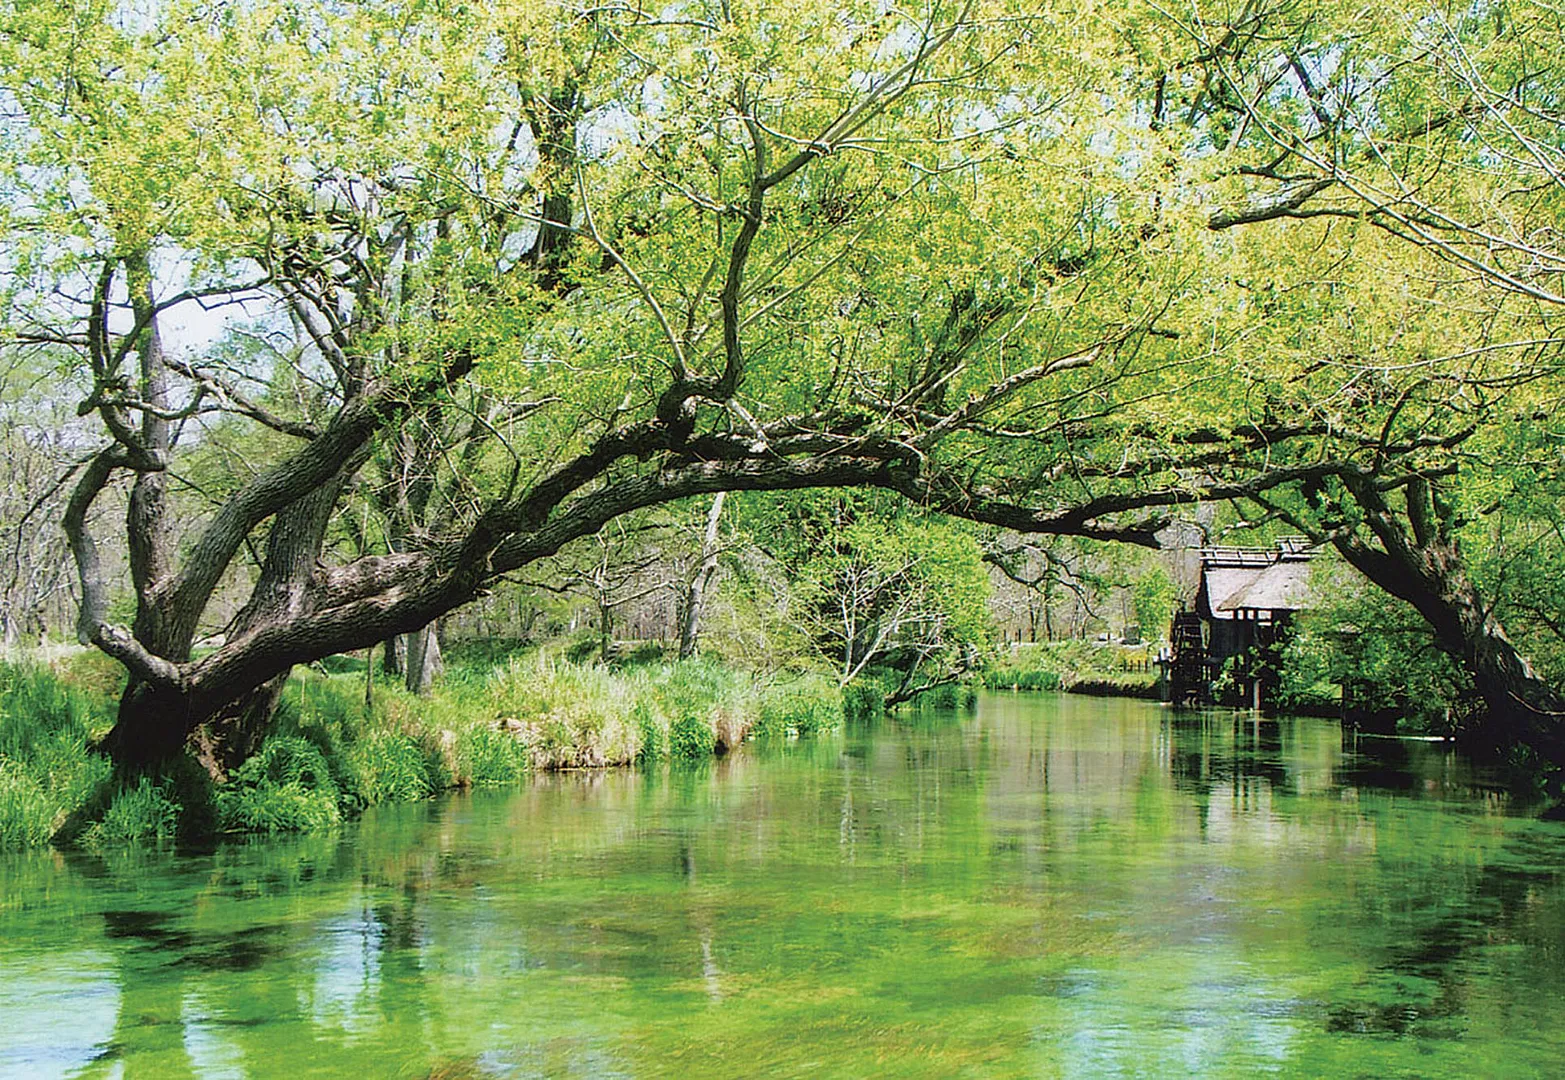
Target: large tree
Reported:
point(1046, 273)
point(1430, 371)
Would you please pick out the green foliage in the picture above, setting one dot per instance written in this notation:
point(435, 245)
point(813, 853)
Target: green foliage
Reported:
point(46, 770)
point(1011, 676)
point(1153, 595)
point(803, 706)
point(566, 714)
point(28, 815)
point(1382, 655)
point(286, 787)
point(327, 758)
point(952, 695)
point(583, 648)
point(98, 677)
point(483, 653)
point(486, 756)
point(276, 808)
point(646, 654)
point(390, 766)
point(653, 726)
point(1122, 685)
point(145, 811)
point(893, 591)
point(1056, 665)
point(983, 323)
point(691, 736)
point(864, 699)
point(690, 697)
point(40, 712)
point(709, 707)
point(325, 749)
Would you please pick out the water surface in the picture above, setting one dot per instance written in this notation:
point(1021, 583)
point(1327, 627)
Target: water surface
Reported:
point(1055, 887)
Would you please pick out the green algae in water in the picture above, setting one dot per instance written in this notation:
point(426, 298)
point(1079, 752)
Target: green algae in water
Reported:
point(1055, 887)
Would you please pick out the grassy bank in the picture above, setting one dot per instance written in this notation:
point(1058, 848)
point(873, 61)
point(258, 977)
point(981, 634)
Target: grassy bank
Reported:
point(328, 756)
point(47, 722)
point(1077, 667)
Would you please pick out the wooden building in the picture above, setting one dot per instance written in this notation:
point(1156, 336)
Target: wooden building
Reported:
point(1245, 601)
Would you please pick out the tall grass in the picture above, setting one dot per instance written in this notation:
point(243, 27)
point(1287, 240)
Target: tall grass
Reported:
point(804, 706)
point(288, 786)
point(1075, 666)
point(327, 756)
point(46, 771)
point(147, 809)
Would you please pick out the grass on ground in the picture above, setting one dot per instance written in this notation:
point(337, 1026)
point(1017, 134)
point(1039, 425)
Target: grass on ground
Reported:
point(1075, 666)
point(327, 757)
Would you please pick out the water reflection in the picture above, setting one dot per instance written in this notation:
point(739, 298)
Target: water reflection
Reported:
point(1061, 886)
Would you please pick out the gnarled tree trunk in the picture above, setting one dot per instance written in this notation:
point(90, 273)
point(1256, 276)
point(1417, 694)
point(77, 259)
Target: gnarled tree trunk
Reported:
point(1421, 563)
point(1520, 706)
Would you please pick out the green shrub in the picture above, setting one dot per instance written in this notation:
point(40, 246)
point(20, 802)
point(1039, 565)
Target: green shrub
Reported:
point(329, 712)
point(653, 726)
point(803, 706)
point(145, 811)
point(284, 760)
point(481, 655)
point(276, 808)
point(691, 736)
point(487, 756)
point(863, 699)
point(27, 813)
point(287, 786)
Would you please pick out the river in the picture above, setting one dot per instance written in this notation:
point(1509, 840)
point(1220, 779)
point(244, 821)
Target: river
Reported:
point(1051, 887)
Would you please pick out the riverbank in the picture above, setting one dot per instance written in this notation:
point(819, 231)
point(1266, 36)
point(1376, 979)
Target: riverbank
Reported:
point(330, 754)
point(1074, 667)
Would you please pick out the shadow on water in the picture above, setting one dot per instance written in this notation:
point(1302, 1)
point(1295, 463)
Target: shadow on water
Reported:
point(239, 950)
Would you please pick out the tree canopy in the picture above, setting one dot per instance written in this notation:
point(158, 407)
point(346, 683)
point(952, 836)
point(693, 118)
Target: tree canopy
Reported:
point(1051, 271)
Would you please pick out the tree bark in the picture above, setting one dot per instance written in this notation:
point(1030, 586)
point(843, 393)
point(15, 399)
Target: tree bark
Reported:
point(394, 660)
point(150, 728)
point(694, 606)
point(153, 724)
point(605, 632)
point(424, 662)
point(227, 741)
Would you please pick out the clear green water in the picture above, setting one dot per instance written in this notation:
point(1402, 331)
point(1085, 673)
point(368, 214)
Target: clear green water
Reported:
point(1057, 887)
